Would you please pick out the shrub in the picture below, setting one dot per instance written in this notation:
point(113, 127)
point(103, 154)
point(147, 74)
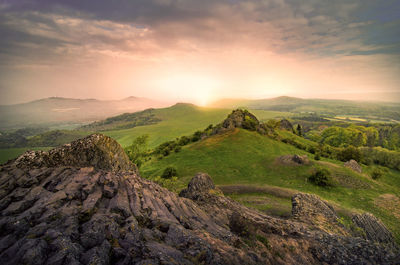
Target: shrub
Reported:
point(349, 153)
point(321, 177)
point(177, 149)
point(184, 140)
point(169, 172)
point(317, 156)
point(249, 123)
point(196, 136)
point(377, 173)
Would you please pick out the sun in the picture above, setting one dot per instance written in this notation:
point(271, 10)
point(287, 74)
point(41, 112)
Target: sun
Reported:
point(198, 88)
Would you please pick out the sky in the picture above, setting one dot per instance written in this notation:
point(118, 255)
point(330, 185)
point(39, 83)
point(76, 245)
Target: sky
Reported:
point(199, 51)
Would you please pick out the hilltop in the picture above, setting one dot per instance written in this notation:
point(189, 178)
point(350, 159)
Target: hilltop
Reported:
point(58, 210)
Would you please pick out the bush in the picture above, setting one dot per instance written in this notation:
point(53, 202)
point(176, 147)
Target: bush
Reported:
point(349, 153)
point(196, 136)
point(184, 140)
point(321, 177)
point(169, 172)
point(249, 123)
point(376, 173)
point(177, 149)
point(317, 156)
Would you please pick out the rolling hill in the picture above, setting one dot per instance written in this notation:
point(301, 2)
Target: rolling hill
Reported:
point(68, 112)
point(161, 125)
point(248, 167)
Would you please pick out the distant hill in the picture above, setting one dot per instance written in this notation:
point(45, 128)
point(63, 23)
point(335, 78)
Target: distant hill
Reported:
point(387, 110)
point(57, 111)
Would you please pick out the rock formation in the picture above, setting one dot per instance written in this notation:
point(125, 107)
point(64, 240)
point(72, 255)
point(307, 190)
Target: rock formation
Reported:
point(374, 229)
point(241, 119)
point(85, 203)
point(284, 124)
point(353, 165)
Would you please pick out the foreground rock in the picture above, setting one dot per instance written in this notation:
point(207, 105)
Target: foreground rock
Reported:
point(97, 210)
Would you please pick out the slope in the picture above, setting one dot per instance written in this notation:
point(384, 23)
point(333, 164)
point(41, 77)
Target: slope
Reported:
point(85, 203)
point(246, 165)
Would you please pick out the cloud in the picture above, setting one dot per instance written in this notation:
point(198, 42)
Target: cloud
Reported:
point(180, 34)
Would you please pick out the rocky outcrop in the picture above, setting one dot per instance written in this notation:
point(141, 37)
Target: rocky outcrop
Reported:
point(293, 160)
point(353, 165)
point(308, 207)
point(284, 124)
point(105, 213)
point(374, 229)
point(97, 150)
point(200, 184)
point(241, 119)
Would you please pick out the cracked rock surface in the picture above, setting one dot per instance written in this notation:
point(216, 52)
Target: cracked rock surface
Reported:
point(85, 203)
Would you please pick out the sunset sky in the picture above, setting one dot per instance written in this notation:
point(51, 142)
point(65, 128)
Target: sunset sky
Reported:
point(199, 50)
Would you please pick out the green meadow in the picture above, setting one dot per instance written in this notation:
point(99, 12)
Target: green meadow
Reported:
point(244, 164)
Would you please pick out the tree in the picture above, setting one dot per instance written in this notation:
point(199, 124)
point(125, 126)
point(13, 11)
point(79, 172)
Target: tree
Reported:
point(138, 149)
point(299, 130)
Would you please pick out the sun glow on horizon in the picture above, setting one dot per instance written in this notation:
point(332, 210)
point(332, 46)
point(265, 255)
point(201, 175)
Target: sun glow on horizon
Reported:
point(198, 88)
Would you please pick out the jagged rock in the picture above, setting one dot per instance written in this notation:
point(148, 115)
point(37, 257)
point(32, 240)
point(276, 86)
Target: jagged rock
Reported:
point(199, 184)
point(307, 206)
point(284, 124)
point(107, 214)
point(311, 209)
point(97, 150)
point(241, 119)
point(374, 229)
point(353, 165)
point(293, 160)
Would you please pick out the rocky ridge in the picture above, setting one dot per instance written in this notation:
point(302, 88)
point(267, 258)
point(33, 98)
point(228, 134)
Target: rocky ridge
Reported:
point(96, 209)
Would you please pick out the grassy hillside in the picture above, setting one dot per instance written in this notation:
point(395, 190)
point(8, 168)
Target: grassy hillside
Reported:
point(165, 124)
point(180, 119)
point(244, 164)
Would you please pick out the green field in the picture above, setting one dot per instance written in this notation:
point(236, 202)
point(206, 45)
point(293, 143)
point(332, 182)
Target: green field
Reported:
point(248, 159)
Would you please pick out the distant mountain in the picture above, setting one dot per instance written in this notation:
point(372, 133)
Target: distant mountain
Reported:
point(388, 110)
point(56, 111)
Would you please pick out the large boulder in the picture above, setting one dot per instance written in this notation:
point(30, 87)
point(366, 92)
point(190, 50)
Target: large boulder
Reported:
point(97, 150)
point(198, 185)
